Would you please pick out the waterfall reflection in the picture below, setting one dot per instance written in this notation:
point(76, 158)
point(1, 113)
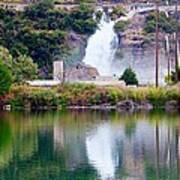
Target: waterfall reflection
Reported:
point(89, 145)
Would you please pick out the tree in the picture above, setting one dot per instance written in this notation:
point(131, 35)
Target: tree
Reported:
point(24, 69)
point(6, 57)
point(5, 79)
point(129, 77)
point(41, 31)
point(166, 24)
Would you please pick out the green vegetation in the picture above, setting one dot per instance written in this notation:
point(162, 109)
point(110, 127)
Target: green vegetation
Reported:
point(87, 95)
point(172, 77)
point(41, 32)
point(99, 15)
point(166, 24)
point(117, 12)
point(21, 67)
point(24, 69)
point(5, 79)
point(129, 77)
point(121, 26)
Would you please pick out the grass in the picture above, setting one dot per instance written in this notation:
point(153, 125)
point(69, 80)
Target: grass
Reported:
point(87, 95)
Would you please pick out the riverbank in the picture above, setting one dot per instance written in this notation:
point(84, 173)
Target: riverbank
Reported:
point(82, 96)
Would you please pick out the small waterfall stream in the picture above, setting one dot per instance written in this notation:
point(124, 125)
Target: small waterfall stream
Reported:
point(102, 46)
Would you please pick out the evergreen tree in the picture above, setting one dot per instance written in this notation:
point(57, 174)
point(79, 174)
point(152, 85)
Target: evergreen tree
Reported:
point(129, 77)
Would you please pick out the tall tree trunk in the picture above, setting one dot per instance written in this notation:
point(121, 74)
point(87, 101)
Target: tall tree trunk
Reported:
point(157, 44)
point(176, 47)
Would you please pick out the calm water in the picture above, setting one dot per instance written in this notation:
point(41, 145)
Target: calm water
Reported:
point(89, 145)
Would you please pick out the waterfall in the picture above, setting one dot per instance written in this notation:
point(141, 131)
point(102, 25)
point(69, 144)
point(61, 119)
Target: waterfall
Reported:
point(102, 46)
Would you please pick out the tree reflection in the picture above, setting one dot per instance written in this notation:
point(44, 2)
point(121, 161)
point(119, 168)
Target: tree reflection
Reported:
point(157, 150)
point(81, 145)
point(177, 151)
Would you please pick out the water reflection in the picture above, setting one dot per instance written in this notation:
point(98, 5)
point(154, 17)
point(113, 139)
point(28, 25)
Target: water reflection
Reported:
point(89, 145)
point(100, 146)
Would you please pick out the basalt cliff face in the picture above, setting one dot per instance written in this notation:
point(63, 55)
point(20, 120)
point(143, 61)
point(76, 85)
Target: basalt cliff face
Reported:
point(77, 44)
point(81, 72)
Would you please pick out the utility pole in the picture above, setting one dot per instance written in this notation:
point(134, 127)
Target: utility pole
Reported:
point(176, 46)
point(157, 45)
point(167, 53)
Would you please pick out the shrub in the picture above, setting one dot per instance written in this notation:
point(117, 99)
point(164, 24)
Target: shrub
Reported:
point(157, 96)
point(34, 98)
point(129, 77)
point(86, 95)
point(24, 69)
point(114, 95)
point(118, 11)
point(84, 26)
point(120, 26)
point(138, 95)
point(5, 79)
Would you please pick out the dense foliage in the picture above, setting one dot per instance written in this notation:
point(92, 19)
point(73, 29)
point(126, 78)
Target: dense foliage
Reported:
point(129, 77)
point(166, 24)
point(5, 79)
point(24, 69)
point(41, 31)
point(21, 67)
point(117, 12)
point(121, 26)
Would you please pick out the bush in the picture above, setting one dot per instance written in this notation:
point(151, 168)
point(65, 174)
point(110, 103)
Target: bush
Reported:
point(121, 26)
point(84, 26)
point(34, 98)
point(24, 69)
point(5, 79)
point(87, 95)
point(118, 11)
point(129, 77)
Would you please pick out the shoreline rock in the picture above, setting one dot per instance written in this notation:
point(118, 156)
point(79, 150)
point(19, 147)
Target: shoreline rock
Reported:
point(172, 106)
point(129, 105)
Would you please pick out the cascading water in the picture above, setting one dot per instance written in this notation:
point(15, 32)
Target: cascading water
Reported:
point(101, 53)
point(102, 46)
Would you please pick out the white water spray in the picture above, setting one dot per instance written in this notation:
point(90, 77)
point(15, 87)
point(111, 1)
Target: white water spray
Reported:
point(102, 46)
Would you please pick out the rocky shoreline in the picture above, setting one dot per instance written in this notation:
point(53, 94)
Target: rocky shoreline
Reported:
point(121, 106)
point(130, 106)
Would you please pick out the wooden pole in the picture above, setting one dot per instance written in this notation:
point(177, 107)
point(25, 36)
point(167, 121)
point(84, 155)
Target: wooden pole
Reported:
point(176, 47)
point(157, 45)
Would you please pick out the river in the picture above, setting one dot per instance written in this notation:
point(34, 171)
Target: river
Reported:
point(90, 145)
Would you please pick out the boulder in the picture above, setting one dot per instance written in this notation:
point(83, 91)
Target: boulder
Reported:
point(172, 105)
point(144, 105)
point(127, 105)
